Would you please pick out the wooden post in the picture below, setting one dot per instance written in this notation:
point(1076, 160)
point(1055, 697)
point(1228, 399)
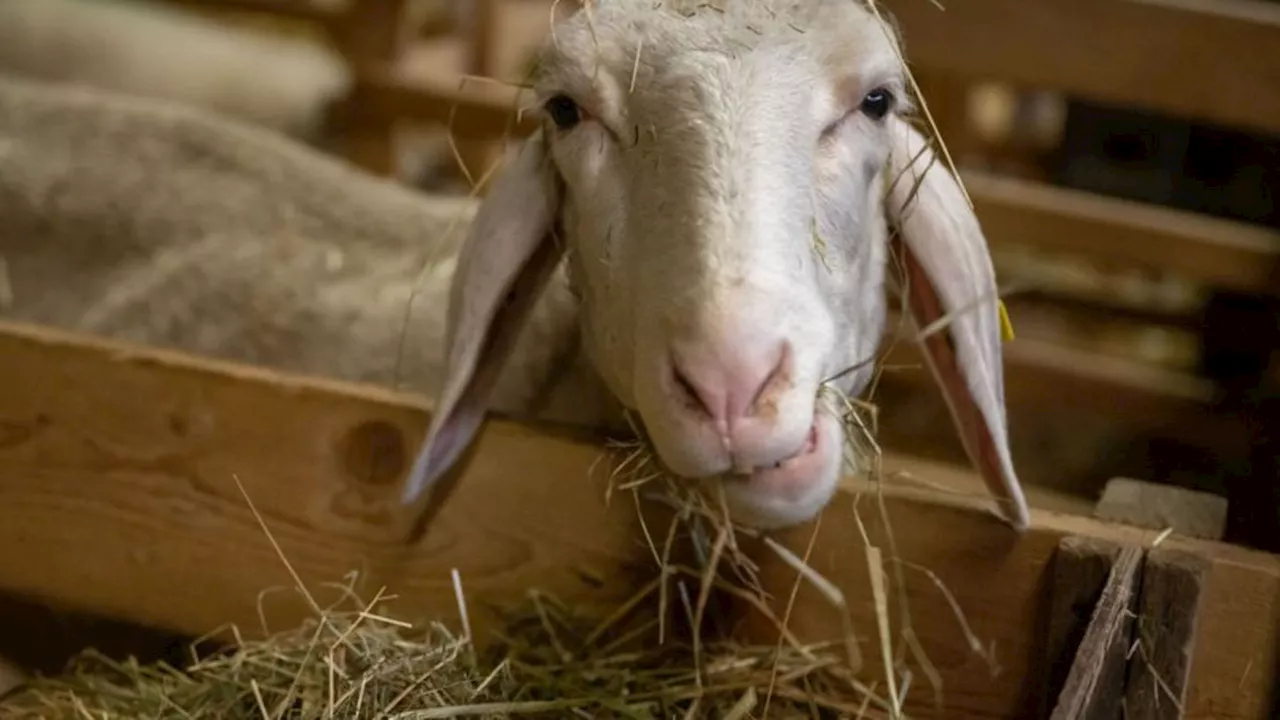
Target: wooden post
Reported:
point(1133, 658)
point(1081, 567)
point(1172, 584)
point(480, 154)
point(372, 37)
point(1095, 685)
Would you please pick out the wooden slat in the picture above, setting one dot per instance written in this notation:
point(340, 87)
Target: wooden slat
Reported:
point(999, 582)
point(1172, 588)
point(1094, 688)
point(1077, 378)
point(1208, 60)
point(127, 457)
point(477, 109)
point(1221, 253)
point(1081, 567)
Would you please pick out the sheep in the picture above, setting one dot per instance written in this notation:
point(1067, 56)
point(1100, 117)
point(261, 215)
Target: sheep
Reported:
point(692, 157)
point(150, 49)
point(650, 254)
point(154, 222)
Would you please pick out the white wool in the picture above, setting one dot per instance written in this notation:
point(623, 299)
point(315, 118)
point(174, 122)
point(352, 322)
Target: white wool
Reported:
point(151, 49)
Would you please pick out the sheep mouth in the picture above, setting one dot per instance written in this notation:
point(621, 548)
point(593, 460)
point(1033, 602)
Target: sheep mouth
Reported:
point(794, 473)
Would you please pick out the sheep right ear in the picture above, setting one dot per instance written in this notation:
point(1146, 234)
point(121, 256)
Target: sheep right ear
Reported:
point(508, 256)
point(950, 276)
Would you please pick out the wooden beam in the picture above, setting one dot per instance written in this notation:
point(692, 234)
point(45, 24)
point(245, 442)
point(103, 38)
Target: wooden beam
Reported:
point(1094, 688)
point(1081, 567)
point(1172, 589)
point(1160, 506)
point(130, 456)
point(1075, 378)
point(472, 108)
point(1147, 54)
point(1219, 253)
point(999, 581)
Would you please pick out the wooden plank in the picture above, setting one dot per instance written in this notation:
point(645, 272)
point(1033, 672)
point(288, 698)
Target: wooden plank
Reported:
point(128, 456)
point(1172, 589)
point(1161, 55)
point(1219, 253)
point(1160, 506)
point(372, 33)
point(999, 582)
point(1094, 689)
point(1076, 378)
point(472, 109)
point(131, 457)
point(1081, 567)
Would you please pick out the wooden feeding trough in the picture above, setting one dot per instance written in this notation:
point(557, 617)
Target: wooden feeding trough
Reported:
point(121, 469)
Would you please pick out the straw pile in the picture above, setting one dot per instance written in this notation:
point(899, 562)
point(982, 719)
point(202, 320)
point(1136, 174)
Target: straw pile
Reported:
point(657, 655)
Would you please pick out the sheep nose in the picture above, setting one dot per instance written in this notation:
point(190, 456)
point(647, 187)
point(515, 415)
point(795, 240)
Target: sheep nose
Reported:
point(730, 381)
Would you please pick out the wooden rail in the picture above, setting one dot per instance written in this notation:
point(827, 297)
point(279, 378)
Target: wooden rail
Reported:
point(144, 449)
point(1211, 60)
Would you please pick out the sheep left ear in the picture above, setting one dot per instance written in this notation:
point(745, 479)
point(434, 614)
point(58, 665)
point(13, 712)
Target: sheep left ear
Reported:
point(510, 252)
point(949, 275)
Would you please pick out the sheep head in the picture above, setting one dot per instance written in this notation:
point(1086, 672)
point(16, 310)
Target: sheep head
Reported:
point(721, 184)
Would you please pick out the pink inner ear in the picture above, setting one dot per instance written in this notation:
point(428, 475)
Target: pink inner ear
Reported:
point(924, 304)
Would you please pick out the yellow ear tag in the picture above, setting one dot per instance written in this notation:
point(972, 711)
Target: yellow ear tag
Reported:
point(1006, 326)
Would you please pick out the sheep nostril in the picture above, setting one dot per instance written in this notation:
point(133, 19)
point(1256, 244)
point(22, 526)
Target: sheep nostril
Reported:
point(779, 369)
point(689, 391)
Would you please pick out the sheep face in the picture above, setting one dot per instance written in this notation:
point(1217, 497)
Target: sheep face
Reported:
point(715, 181)
point(721, 221)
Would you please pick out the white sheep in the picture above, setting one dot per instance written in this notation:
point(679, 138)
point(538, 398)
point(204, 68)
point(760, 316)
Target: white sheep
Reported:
point(154, 50)
point(157, 223)
point(694, 154)
point(653, 248)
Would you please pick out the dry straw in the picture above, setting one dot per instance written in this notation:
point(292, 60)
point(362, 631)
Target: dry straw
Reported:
point(656, 656)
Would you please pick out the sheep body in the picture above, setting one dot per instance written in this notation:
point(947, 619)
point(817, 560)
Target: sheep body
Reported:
point(677, 220)
point(149, 49)
point(151, 222)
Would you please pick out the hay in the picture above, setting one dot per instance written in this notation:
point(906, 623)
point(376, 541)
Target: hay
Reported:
point(547, 661)
point(358, 665)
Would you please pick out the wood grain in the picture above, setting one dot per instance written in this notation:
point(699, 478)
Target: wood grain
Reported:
point(1208, 60)
point(1094, 688)
point(1000, 582)
point(1081, 567)
point(1217, 252)
point(118, 495)
point(1172, 588)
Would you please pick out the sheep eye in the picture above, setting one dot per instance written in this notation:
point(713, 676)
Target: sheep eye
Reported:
point(876, 103)
point(563, 111)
